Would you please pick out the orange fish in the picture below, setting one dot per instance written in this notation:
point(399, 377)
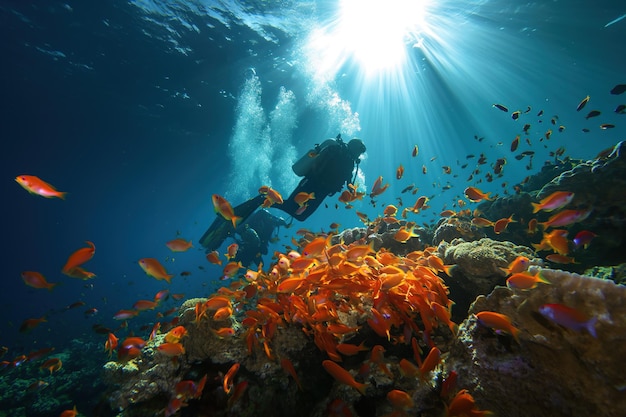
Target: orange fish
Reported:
point(560, 259)
point(171, 349)
point(111, 344)
point(399, 172)
point(378, 187)
point(463, 404)
point(69, 413)
point(52, 365)
point(154, 268)
point(80, 273)
point(482, 222)
point(37, 280)
point(498, 322)
point(432, 360)
point(500, 225)
point(566, 217)
point(554, 201)
point(343, 376)
point(569, 317)
point(286, 364)
point(399, 399)
point(223, 207)
point(227, 383)
point(30, 324)
point(35, 185)
point(231, 269)
point(302, 198)
point(125, 314)
point(231, 251)
point(403, 234)
point(214, 258)
point(79, 257)
point(519, 264)
point(474, 195)
point(179, 245)
point(142, 305)
point(525, 281)
point(350, 350)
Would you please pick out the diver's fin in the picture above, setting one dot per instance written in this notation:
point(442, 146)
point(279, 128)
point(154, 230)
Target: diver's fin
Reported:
point(221, 228)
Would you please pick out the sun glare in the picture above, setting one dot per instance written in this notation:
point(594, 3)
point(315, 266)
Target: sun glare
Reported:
point(375, 34)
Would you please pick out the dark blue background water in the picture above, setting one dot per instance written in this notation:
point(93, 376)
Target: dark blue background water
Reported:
point(140, 111)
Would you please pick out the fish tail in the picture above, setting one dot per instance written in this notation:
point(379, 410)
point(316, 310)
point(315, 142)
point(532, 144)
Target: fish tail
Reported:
point(235, 220)
point(361, 388)
point(168, 278)
point(536, 207)
point(590, 325)
point(543, 279)
point(61, 195)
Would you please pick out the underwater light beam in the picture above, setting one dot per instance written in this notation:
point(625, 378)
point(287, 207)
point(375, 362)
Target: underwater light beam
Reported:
point(373, 33)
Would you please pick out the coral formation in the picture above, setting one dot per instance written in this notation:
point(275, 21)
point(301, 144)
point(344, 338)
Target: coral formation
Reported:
point(553, 370)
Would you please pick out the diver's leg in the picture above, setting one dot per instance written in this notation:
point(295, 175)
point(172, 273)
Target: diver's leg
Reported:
point(292, 208)
point(221, 228)
point(289, 205)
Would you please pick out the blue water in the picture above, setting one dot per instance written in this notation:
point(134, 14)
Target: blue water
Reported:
point(141, 110)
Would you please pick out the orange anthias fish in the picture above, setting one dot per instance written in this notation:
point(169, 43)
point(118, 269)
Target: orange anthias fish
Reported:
point(223, 207)
point(214, 257)
point(474, 195)
point(378, 187)
point(554, 201)
point(500, 225)
point(171, 349)
point(400, 399)
point(154, 268)
point(569, 317)
point(70, 413)
point(231, 251)
point(35, 185)
point(498, 322)
point(37, 280)
point(179, 245)
point(302, 198)
point(227, 383)
point(29, 324)
point(566, 217)
point(525, 281)
point(79, 257)
point(399, 172)
point(343, 376)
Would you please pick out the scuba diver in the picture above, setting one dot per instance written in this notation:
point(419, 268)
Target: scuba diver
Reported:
point(325, 170)
point(255, 236)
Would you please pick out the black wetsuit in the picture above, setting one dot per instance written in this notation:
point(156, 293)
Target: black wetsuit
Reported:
point(255, 235)
point(331, 170)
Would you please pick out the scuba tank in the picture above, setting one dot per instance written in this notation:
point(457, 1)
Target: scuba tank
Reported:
point(304, 165)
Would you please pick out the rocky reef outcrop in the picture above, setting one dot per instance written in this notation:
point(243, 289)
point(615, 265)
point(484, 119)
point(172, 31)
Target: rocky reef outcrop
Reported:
point(553, 370)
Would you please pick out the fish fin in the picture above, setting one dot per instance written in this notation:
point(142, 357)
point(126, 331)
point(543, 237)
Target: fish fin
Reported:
point(536, 207)
point(591, 326)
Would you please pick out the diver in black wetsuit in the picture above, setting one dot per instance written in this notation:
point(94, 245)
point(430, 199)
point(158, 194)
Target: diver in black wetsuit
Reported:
point(255, 235)
point(326, 169)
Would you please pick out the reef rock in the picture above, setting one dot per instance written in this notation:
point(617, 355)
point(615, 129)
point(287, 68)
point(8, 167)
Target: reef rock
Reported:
point(450, 228)
point(142, 380)
point(598, 185)
point(478, 268)
point(553, 370)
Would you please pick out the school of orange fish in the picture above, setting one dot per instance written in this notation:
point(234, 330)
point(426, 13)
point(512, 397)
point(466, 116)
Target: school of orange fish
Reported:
point(333, 291)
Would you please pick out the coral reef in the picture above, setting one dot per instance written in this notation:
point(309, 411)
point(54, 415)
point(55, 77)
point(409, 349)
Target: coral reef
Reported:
point(553, 370)
point(478, 268)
